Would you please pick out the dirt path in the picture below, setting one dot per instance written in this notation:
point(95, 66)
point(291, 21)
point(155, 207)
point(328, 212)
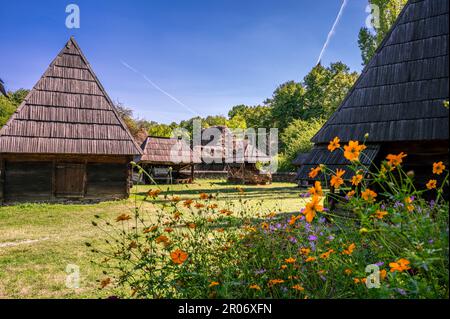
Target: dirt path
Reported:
point(22, 242)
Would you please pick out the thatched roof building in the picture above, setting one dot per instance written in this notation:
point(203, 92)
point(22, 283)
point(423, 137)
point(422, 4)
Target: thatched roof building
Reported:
point(66, 140)
point(398, 99)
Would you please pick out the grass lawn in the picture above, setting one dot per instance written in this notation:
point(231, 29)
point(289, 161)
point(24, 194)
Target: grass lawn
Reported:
point(38, 241)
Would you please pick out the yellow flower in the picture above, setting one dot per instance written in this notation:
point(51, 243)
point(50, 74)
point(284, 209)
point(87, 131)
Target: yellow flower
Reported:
point(255, 286)
point(265, 226)
point(348, 271)
point(380, 214)
point(334, 144)
point(350, 249)
point(356, 179)
point(369, 195)
point(305, 251)
point(298, 288)
point(326, 254)
point(352, 150)
point(178, 256)
point(395, 160)
point(409, 205)
point(290, 260)
point(336, 180)
point(311, 208)
point(275, 281)
point(283, 267)
point(400, 265)
point(309, 259)
point(432, 183)
point(438, 168)
point(213, 284)
point(316, 189)
point(314, 171)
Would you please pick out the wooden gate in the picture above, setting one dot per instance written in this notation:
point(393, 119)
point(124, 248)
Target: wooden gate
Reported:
point(70, 180)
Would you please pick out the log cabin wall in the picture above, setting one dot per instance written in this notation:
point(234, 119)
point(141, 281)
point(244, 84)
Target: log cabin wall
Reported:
point(59, 178)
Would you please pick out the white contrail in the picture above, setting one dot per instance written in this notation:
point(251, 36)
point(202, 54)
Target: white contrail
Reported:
point(160, 89)
point(330, 34)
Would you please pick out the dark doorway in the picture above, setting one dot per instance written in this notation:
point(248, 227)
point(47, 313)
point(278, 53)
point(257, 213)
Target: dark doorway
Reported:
point(70, 180)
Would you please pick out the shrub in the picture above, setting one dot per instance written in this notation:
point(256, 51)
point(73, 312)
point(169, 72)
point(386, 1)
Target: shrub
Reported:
point(383, 240)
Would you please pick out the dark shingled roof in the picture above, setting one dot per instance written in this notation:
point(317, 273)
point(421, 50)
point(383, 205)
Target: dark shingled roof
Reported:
point(300, 159)
point(67, 112)
point(165, 151)
point(400, 93)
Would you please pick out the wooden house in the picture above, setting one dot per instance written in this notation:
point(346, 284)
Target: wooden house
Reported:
point(166, 160)
point(399, 98)
point(66, 140)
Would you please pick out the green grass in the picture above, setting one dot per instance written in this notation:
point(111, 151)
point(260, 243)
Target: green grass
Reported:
point(37, 269)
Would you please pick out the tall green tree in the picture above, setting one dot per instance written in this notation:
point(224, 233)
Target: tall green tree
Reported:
point(8, 105)
point(370, 39)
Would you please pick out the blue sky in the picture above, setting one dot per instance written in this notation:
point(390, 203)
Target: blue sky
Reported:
point(209, 55)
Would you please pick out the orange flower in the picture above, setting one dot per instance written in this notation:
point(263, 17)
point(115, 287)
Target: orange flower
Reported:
point(334, 144)
point(305, 251)
point(213, 284)
point(351, 193)
point(290, 260)
point(309, 259)
point(298, 288)
point(150, 229)
point(175, 199)
point(255, 286)
point(316, 189)
point(123, 217)
point(326, 254)
point(312, 208)
point(369, 195)
point(356, 280)
point(203, 196)
point(336, 180)
point(264, 226)
point(191, 225)
point(212, 206)
point(400, 265)
point(409, 205)
point(352, 150)
point(153, 193)
point(356, 179)
point(383, 274)
point(348, 271)
point(178, 256)
point(187, 203)
point(432, 183)
point(350, 249)
point(314, 171)
point(283, 267)
point(199, 205)
point(168, 230)
point(105, 282)
point(275, 281)
point(438, 168)
point(161, 239)
point(380, 214)
point(293, 219)
point(395, 160)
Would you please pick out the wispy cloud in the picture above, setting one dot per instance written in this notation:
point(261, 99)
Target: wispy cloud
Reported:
point(157, 87)
point(331, 33)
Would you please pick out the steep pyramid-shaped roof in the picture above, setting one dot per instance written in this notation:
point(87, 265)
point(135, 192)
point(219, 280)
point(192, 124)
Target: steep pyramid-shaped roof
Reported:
point(67, 112)
point(399, 95)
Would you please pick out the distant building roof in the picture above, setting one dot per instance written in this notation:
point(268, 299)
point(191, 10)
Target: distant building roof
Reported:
point(67, 112)
point(166, 151)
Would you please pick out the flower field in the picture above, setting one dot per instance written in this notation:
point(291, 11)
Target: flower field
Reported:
point(381, 238)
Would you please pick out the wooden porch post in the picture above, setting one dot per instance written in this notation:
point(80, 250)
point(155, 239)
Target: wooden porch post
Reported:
point(192, 173)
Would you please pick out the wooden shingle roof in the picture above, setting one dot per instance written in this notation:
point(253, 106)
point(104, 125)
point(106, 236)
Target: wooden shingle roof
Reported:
point(67, 112)
point(399, 95)
point(165, 151)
